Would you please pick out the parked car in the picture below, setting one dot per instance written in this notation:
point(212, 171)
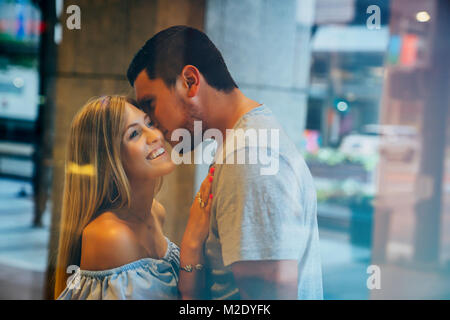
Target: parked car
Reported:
point(396, 143)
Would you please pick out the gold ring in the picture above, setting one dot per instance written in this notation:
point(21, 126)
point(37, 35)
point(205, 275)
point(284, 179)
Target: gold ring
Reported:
point(199, 197)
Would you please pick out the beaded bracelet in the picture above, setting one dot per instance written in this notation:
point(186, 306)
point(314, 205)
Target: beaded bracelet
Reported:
point(189, 267)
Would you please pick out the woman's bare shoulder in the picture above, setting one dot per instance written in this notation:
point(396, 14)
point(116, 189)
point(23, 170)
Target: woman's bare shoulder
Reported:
point(108, 243)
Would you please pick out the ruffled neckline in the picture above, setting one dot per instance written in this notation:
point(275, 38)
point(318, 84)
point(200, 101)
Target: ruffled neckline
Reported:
point(172, 253)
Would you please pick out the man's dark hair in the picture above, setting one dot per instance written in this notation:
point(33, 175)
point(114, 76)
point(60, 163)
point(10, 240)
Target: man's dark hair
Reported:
point(166, 53)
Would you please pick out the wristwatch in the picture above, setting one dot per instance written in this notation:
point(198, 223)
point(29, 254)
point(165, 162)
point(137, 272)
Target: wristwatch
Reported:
point(190, 267)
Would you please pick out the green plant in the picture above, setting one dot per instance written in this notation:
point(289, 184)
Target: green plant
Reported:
point(333, 157)
point(348, 193)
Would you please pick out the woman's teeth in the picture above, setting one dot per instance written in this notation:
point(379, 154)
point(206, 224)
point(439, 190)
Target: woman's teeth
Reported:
point(156, 153)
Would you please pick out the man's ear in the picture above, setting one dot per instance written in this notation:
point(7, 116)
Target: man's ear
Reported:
point(191, 80)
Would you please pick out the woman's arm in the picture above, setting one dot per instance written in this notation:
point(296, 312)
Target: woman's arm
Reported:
point(192, 283)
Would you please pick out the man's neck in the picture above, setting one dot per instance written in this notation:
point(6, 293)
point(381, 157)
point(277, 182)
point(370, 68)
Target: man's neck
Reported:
point(227, 109)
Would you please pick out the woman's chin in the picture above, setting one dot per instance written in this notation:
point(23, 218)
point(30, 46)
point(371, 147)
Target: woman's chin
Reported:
point(170, 167)
point(156, 170)
point(163, 169)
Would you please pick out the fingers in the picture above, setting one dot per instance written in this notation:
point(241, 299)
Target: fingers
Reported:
point(209, 179)
point(205, 189)
point(208, 205)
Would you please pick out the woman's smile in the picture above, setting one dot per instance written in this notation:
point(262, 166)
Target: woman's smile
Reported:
point(158, 152)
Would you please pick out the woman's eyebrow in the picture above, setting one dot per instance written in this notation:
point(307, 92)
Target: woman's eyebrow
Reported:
point(128, 127)
point(146, 116)
point(131, 125)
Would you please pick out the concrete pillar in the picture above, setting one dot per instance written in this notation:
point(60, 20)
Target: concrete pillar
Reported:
point(266, 47)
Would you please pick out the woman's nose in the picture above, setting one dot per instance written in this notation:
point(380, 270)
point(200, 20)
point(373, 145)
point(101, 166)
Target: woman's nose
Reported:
point(153, 135)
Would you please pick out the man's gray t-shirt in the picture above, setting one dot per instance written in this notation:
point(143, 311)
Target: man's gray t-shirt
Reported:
point(257, 216)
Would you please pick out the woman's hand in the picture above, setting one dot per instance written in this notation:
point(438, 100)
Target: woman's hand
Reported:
point(197, 228)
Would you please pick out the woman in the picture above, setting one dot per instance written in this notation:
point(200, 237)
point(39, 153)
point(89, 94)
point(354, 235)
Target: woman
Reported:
point(111, 228)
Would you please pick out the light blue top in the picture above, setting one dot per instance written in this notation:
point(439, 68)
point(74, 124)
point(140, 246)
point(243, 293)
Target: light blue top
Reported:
point(263, 211)
point(144, 279)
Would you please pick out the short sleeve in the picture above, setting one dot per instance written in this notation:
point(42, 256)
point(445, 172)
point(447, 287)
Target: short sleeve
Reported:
point(259, 216)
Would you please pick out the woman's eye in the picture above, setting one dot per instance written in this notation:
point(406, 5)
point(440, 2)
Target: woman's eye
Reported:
point(150, 124)
point(133, 134)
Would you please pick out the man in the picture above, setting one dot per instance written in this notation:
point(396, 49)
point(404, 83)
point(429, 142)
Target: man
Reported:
point(263, 239)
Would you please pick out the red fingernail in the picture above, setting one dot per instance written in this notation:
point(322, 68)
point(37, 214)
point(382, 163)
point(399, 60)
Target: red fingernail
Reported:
point(210, 196)
point(212, 170)
point(210, 179)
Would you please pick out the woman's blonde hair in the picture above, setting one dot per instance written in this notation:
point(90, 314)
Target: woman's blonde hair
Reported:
point(95, 179)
